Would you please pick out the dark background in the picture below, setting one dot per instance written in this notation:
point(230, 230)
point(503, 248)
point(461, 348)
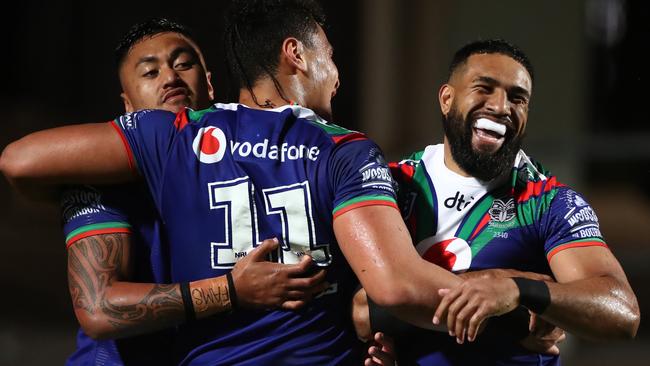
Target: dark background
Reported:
point(588, 123)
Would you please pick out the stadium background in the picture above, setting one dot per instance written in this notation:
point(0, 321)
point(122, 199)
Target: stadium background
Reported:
point(588, 122)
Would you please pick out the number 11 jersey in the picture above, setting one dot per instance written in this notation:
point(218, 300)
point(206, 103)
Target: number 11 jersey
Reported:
point(226, 178)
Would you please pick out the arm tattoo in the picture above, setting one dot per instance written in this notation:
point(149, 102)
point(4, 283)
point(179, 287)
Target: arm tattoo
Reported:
point(162, 302)
point(94, 263)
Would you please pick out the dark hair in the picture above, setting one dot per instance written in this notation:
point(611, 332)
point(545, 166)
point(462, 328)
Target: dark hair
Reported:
point(147, 28)
point(255, 30)
point(490, 46)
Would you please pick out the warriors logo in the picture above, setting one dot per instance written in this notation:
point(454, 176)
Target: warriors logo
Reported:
point(502, 211)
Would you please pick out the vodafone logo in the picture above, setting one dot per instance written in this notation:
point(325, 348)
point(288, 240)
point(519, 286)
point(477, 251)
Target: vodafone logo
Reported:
point(209, 145)
point(452, 254)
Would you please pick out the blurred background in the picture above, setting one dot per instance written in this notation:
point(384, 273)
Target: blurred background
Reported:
point(588, 122)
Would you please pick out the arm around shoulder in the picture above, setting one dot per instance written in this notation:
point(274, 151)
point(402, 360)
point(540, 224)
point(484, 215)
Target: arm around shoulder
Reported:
point(87, 153)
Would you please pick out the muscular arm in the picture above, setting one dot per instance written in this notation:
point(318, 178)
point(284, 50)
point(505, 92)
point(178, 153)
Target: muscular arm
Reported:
point(87, 153)
point(377, 245)
point(592, 297)
point(108, 306)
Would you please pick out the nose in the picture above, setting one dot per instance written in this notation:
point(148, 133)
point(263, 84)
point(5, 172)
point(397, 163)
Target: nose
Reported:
point(498, 103)
point(169, 75)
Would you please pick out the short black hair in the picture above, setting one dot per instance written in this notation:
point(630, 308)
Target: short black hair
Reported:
point(147, 28)
point(255, 30)
point(489, 46)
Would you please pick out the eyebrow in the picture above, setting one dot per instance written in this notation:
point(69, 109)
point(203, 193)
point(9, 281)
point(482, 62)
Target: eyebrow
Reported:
point(173, 55)
point(513, 89)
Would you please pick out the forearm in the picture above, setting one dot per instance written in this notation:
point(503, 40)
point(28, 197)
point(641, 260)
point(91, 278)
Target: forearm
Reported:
point(126, 309)
point(379, 249)
point(108, 306)
point(598, 308)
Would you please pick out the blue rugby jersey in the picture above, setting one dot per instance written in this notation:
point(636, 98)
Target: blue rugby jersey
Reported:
point(89, 211)
point(519, 223)
point(227, 178)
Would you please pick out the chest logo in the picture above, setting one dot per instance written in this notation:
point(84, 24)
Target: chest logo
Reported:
point(502, 211)
point(452, 254)
point(209, 145)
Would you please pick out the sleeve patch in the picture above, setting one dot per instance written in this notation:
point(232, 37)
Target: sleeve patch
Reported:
point(96, 229)
point(357, 202)
point(575, 244)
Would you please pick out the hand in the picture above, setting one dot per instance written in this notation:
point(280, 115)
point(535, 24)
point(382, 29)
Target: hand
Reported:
point(262, 285)
point(381, 352)
point(544, 337)
point(493, 273)
point(466, 306)
point(361, 315)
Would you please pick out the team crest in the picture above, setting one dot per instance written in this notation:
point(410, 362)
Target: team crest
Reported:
point(209, 145)
point(502, 211)
point(451, 254)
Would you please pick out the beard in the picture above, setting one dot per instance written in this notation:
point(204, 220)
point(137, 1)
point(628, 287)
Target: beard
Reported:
point(482, 165)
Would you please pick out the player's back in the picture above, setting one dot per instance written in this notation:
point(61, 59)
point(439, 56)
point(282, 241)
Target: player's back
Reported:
point(223, 181)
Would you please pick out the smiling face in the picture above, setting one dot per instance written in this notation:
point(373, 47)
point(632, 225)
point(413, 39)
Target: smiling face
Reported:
point(485, 111)
point(164, 71)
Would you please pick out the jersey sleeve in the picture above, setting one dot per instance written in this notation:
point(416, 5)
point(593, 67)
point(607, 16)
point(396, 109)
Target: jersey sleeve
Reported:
point(89, 211)
point(148, 137)
point(570, 222)
point(360, 177)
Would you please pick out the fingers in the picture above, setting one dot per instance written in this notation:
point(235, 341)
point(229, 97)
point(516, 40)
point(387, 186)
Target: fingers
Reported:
point(475, 324)
point(261, 251)
point(387, 344)
point(379, 357)
point(553, 351)
point(293, 304)
point(381, 353)
point(442, 307)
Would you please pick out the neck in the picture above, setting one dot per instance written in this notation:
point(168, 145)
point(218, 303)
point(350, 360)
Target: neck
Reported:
point(450, 163)
point(266, 95)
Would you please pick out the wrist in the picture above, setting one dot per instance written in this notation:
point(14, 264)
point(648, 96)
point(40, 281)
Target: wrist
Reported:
point(533, 295)
point(210, 296)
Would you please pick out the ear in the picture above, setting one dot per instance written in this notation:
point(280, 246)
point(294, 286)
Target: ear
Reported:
point(293, 54)
point(208, 76)
point(128, 107)
point(446, 97)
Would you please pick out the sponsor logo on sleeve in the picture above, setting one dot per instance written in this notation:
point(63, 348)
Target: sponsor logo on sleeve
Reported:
point(129, 121)
point(78, 202)
point(375, 173)
point(581, 217)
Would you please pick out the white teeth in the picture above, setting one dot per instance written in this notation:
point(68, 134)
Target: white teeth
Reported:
point(486, 124)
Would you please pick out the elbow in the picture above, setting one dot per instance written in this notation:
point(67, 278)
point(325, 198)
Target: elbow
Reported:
point(630, 325)
point(392, 295)
point(15, 163)
point(93, 326)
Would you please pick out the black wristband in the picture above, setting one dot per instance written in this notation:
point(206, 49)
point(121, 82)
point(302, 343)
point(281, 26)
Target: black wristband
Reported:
point(190, 315)
point(533, 294)
point(231, 291)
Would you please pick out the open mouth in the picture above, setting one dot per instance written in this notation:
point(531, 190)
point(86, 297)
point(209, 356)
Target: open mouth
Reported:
point(488, 135)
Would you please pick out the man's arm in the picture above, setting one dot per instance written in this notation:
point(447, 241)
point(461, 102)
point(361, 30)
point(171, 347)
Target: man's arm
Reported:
point(86, 153)
point(378, 247)
point(108, 306)
point(592, 297)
